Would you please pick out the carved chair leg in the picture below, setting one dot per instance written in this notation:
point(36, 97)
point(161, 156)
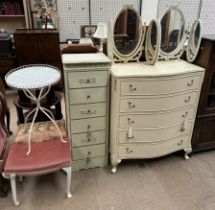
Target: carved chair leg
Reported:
point(13, 188)
point(68, 171)
point(8, 122)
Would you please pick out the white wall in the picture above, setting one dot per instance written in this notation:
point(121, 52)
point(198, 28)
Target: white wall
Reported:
point(149, 10)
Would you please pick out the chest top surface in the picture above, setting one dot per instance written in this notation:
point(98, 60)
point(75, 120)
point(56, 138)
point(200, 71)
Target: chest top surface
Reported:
point(161, 68)
point(85, 58)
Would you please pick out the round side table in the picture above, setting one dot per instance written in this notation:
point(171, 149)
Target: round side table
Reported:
point(30, 78)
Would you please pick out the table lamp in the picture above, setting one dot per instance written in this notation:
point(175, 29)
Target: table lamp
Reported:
point(101, 33)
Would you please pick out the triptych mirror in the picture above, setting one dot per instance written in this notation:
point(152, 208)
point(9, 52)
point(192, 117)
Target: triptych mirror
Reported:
point(165, 39)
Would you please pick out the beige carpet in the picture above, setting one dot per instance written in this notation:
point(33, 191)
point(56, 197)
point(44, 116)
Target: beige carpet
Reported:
point(167, 183)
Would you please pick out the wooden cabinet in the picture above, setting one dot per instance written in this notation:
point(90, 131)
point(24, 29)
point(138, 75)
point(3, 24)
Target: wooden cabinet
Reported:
point(86, 79)
point(153, 109)
point(204, 135)
point(12, 19)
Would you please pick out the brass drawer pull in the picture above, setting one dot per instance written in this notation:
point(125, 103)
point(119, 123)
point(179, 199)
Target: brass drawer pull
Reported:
point(185, 115)
point(187, 99)
point(87, 81)
point(132, 88)
point(88, 160)
point(131, 105)
point(88, 112)
point(189, 84)
point(180, 142)
point(130, 121)
point(128, 151)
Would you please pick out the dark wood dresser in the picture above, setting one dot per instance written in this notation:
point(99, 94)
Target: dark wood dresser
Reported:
point(204, 128)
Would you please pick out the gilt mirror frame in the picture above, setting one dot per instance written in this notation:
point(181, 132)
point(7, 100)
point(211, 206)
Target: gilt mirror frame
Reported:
point(136, 53)
point(150, 53)
point(178, 51)
point(192, 50)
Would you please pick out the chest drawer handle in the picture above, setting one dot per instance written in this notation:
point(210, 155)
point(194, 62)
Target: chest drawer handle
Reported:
point(88, 97)
point(185, 115)
point(187, 99)
point(89, 153)
point(88, 127)
point(132, 88)
point(128, 151)
point(88, 112)
point(130, 121)
point(189, 84)
point(87, 81)
point(180, 142)
point(131, 105)
point(88, 160)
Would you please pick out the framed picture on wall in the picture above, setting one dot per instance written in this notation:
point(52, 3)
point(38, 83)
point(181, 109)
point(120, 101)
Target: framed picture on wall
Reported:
point(87, 30)
point(35, 4)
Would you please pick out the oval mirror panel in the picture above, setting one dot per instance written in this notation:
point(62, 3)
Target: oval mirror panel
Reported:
point(194, 41)
point(152, 42)
point(127, 31)
point(172, 30)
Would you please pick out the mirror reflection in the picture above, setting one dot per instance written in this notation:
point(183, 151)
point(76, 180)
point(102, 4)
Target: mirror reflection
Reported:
point(153, 35)
point(196, 34)
point(126, 31)
point(172, 30)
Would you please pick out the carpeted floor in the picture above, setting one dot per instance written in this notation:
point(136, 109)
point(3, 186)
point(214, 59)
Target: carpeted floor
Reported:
point(167, 183)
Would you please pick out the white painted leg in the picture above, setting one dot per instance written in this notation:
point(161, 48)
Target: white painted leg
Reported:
point(113, 169)
point(186, 154)
point(13, 188)
point(20, 178)
point(68, 171)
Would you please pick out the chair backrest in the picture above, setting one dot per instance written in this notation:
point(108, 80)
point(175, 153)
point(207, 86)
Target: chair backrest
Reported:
point(3, 111)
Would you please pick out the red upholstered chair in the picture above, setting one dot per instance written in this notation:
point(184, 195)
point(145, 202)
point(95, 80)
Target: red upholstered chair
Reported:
point(45, 157)
point(4, 185)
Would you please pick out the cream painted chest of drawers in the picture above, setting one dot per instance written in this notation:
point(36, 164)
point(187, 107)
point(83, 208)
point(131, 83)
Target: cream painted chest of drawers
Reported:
point(86, 78)
point(153, 109)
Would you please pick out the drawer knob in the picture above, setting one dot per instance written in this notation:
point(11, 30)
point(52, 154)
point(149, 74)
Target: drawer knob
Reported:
point(88, 96)
point(132, 88)
point(187, 100)
point(185, 115)
point(184, 126)
point(189, 84)
point(130, 121)
point(128, 150)
point(89, 153)
point(88, 160)
point(88, 127)
point(180, 142)
point(131, 105)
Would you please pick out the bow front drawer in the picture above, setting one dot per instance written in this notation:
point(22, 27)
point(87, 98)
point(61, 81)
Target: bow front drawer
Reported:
point(156, 120)
point(150, 150)
point(158, 103)
point(161, 86)
point(87, 79)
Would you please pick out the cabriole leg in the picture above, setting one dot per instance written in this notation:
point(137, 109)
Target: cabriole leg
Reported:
point(68, 171)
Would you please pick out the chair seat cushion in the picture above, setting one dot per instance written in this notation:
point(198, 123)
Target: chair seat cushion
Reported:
point(42, 131)
point(45, 157)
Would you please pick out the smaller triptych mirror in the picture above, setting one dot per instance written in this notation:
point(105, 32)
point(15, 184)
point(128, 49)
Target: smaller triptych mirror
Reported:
point(194, 41)
point(152, 45)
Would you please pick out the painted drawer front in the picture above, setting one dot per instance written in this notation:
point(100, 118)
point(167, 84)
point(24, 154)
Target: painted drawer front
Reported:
point(158, 104)
point(85, 125)
point(154, 135)
point(87, 95)
point(88, 152)
point(89, 163)
point(88, 110)
point(156, 120)
point(88, 138)
point(149, 150)
point(157, 87)
point(87, 79)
